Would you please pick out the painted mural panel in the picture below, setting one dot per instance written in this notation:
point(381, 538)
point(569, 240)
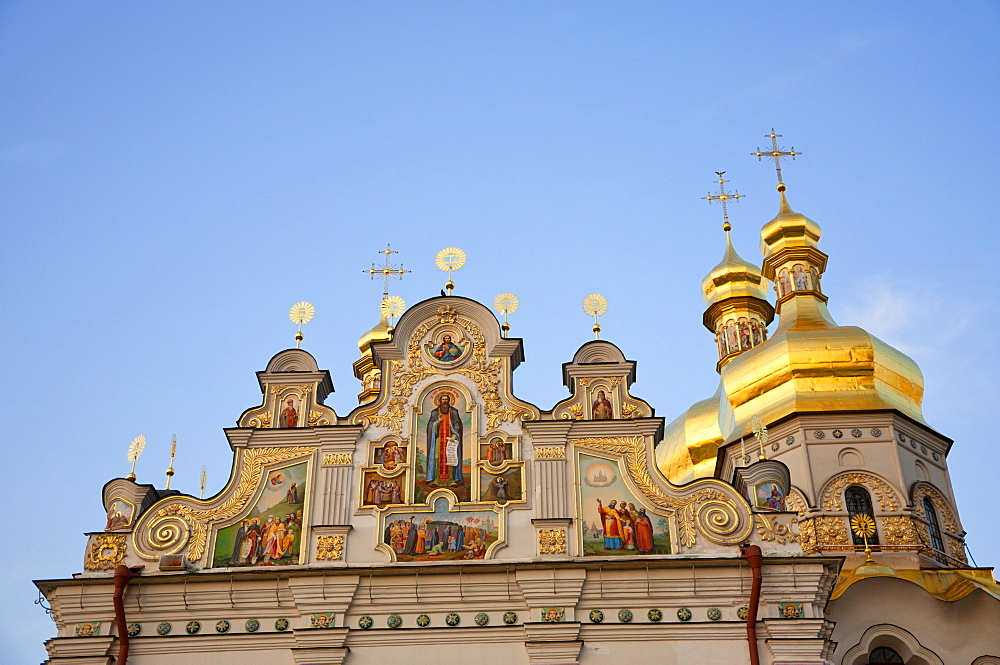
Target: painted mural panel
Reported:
point(441, 534)
point(613, 521)
point(379, 490)
point(444, 434)
point(270, 533)
point(501, 487)
point(119, 515)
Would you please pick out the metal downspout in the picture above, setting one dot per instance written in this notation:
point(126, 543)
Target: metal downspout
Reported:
point(754, 557)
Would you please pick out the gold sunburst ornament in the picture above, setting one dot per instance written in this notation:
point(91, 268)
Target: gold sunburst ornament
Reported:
point(595, 305)
point(300, 314)
point(392, 307)
point(863, 525)
point(449, 260)
point(134, 452)
point(506, 303)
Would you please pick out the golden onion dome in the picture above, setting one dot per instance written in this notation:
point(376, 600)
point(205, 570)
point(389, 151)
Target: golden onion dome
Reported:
point(379, 333)
point(733, 277)
point(691, 441)
point(788, 230)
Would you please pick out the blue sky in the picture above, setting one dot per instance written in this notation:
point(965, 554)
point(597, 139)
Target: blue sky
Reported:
point(174, 177)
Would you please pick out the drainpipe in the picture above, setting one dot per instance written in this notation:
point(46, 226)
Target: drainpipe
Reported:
point(754, 557)
point(123, 574)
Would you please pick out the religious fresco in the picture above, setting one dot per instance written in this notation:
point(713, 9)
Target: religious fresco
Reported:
point(270, 533)
point(441, 534)
point(445, 436)
point(288, 411)
point(496, 451)
point(380, 490)
point(446, 346)
point(501, 487)
point(770, 495)
point(613, 522)
point(390, 455)
point(119, 515)
point(601, 408)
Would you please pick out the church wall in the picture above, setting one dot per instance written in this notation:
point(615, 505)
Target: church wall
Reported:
point(956, 632)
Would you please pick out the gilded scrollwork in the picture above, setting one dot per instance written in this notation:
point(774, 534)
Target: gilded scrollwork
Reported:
point(830, 531)
point(833, 494)
point(716, 513)
point(630, 410)
point(956, 549)
point(176, 525)
point(316, 418)
point(261, 420)
point(796, 502)
point(577, 411)
point(807, 535)
point(551, 541)
point(330, 548)
point(900, 530)
point(107, 552)
point(770, 529)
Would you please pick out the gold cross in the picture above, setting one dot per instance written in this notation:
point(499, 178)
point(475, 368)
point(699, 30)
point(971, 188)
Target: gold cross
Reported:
point(776, 153)
point(386, 271)
point(724, 197)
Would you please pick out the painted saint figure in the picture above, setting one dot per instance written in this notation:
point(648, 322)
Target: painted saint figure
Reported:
point(447, 351)
point(496, 453)
point(500, 489)
point(612, 526)
point(289, 415)
point(292, 495)
point(800, 277)
point(643, 533)
point(602, 407)
point(444, 431)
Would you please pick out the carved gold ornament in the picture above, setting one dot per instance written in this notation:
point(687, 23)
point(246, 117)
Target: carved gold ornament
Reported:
point(630, 411)
point(830, 531)
point(833, 494)
point(552, 541)
point(900, 530)
point(576, 410)
point(770, 529)
point(316, 418)
point(107, 552)
point(173, 527)
point(956, 549)
point(807, 535)
point(134, 451)
point(449, 259)
point(263, 420)
point(550, 452)
point(330, 548)
point(485, 373)
point(337, 459)
point(712, 510)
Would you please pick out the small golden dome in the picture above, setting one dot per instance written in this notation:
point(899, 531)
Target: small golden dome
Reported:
point(733, 277)
point(380, 333)
point(788, 230)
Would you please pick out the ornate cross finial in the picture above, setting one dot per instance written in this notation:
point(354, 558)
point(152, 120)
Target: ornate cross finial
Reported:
point(301, 313)
point(505, 303)
point(724, 197)
point(387, 270)
point(134, 451)
point(595, 305)
point(776, 153)
point(449, 260)
point(204, 479)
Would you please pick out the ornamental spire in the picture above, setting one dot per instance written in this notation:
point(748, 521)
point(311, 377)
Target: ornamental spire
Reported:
point(776, 153)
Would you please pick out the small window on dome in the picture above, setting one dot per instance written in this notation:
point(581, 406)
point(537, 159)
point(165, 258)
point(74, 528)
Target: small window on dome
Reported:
point(933, 527)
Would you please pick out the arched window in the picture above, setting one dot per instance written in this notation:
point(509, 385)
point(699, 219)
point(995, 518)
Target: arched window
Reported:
point(884, 655)
point(932, 525)
point(860, 502)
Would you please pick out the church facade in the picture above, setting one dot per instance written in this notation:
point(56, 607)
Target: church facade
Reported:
point(803, 514)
